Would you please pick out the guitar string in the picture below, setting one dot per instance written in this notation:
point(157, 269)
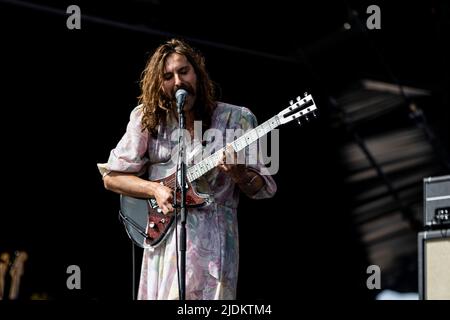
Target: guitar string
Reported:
point(264, 126)
point(171, 181)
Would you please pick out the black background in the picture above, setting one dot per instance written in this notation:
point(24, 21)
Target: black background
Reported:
point(66, 98)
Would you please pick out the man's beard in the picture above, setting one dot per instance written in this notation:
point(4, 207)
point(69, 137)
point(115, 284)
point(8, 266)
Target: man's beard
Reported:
point(191, 96)
point(190, 90)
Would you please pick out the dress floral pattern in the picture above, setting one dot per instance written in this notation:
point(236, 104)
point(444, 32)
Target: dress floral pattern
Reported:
point(212, 257)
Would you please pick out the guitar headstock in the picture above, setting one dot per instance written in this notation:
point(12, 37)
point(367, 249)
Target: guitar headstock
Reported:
point(303, 108)
point(18, 263)
point(4, 258)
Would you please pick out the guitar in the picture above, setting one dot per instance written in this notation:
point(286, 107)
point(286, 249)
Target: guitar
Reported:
point(144, 221)
point(16, 272)
point(4, 266)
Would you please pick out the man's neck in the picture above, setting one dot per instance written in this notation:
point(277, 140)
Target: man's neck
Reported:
point(190, 117)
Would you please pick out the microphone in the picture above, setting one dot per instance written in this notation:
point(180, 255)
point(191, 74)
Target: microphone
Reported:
point(180, 95)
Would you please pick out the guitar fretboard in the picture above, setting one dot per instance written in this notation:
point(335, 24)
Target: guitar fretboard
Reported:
point(209, 163)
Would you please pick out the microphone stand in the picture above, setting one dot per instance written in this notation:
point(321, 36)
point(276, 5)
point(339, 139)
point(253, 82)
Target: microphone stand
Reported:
point(183, 213)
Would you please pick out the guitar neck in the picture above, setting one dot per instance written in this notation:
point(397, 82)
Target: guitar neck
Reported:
point(4, 262)
point(209, 163)
point(14, 289)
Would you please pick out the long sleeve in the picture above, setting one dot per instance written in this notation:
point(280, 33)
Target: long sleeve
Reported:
point(130, 153)
point(247, 122)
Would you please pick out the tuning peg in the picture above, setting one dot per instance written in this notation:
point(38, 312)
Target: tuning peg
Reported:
point(299, 98)
point(291, 102)
point(299, 122)
point(314, 114)
point(305, 94)
point(306, 117)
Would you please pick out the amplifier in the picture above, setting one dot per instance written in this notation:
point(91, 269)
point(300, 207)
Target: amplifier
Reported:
point(436, 209)
point(434, 264)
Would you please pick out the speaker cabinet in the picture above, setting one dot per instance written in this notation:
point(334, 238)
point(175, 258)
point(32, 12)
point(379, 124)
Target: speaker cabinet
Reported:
point(434, 264)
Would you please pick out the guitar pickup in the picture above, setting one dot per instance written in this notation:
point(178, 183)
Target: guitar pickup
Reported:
point(153, 203)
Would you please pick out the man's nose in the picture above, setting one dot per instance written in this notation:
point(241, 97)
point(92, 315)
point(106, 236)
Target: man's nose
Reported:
point(178, 80)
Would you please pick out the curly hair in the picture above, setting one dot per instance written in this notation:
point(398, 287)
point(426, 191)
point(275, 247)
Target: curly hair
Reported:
point(156, 104)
